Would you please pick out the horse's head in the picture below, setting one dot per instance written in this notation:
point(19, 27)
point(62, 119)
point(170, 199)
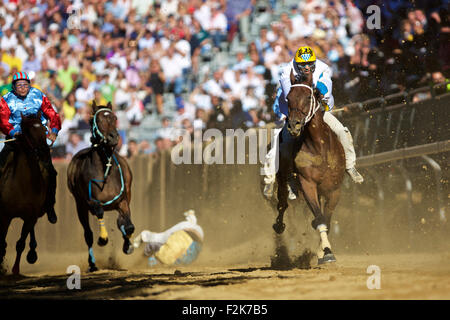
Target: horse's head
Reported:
point(302, 104)
point(103, 124)
point(34, 134)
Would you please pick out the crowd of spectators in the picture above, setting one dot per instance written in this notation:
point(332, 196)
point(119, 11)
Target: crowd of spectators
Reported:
point(135, 53)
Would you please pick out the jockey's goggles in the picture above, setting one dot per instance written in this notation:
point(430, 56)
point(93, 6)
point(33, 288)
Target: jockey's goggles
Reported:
point(311, 65)
point(22, 85)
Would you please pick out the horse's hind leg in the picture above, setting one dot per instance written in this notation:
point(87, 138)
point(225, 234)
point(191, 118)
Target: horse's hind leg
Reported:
point(32, 255)
point(125, 226)
point(4, 225)
point(88, 236)
point(28, 225)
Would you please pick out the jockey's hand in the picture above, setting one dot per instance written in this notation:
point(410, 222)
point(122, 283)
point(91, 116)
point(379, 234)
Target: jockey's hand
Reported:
point(18, 133)
point(52, 136)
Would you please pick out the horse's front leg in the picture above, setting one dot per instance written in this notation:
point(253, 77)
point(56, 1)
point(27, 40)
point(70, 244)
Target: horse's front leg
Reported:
point(32, 255)
point(125, 226)
point(103, 236)
point(20, 245)
point(320, 222)
point(282, 205)
point(4, 225)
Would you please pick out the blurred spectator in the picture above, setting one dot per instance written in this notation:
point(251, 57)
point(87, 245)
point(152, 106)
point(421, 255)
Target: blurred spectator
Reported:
point(139, 53)
point(218, 25)
point(75, 145)
point(167, 132)
point(133, 149)
point(156, 82)
point(69, 109)
point(135, 111)
point(171, 65)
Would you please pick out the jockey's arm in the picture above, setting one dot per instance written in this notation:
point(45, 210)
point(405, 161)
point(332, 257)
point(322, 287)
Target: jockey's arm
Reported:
point(5, 126)
point(279, 103)
point(325, 87)
point(51, 115)
point(280, 106)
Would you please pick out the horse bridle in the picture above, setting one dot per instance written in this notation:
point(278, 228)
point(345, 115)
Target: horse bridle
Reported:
point(96, 133)
point(95, 130)
point(313, 106)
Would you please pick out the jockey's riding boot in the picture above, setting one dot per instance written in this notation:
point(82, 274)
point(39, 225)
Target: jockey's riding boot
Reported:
point(355, 175)
point(291, 194)
point(292, 188)
point(268, 190)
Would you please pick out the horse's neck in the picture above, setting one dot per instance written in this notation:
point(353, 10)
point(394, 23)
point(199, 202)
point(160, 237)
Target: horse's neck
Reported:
point(104, 153)
point(315, 130)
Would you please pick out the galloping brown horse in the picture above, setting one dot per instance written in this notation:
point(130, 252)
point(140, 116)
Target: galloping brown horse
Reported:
point(311, 151)
point(23, 188)
point(100, 180)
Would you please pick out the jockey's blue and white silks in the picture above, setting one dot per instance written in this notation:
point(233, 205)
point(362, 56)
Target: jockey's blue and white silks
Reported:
point(321, 80)
point(12, 107)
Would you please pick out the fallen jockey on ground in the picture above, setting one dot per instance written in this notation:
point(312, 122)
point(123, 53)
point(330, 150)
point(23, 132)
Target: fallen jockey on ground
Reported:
point(180, 244)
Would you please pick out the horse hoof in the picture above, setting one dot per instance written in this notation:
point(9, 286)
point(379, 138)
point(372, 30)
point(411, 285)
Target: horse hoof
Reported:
point(128, 249)
point(93, 268)
point(279, 227)
point(102, 242)
point(51, 215)
point(328, 258)
point(32, 257)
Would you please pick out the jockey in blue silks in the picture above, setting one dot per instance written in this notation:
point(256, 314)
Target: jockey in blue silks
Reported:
point(27, 100)
point(303, 63)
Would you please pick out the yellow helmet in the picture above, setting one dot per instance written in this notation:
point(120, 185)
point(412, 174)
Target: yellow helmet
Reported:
point(305, 54)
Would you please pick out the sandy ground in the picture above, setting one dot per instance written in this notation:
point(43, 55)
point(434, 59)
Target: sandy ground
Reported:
point(402, 276)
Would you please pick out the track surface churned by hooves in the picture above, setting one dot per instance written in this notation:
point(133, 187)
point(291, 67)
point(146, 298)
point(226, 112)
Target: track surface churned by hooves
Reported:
point(406, 276)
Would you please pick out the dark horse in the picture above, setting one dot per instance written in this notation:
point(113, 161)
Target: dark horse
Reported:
point(23, 188)
point(312, 152)
point(100, 180)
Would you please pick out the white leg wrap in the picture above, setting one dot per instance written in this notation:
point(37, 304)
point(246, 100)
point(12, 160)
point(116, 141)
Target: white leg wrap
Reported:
point(320, 252)
point(345, 138)
point(323, 236)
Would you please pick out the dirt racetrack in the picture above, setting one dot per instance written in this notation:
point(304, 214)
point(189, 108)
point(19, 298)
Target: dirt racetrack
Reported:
point(407, 276)
point(241, 258)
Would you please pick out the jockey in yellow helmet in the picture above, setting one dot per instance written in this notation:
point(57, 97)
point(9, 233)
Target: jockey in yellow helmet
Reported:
point(303, 63)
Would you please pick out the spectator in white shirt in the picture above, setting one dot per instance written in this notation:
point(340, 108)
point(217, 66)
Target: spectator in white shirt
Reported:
point(218, 25)
point(173, 71)
point(85, 93)
point(169, 7)
point(9, 39)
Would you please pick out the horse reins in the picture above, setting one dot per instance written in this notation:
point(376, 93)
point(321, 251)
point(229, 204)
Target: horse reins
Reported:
point(313, 106)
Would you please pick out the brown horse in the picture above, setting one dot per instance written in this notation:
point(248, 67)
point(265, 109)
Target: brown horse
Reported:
point(100, 180)
point(312, 152)
point(23, 188)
